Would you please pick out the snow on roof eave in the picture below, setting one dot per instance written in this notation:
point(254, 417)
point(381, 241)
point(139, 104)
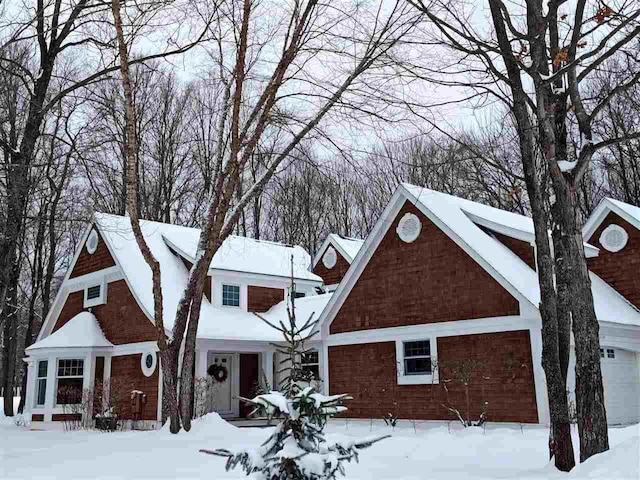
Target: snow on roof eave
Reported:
point(456, 234)
point(81, 331)
point(604, 295)
point(605, 206)
point(331, 240)
point(113, 251)
point(502, 228)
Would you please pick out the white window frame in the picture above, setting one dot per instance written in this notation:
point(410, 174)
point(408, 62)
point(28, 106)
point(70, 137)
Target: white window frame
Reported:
point(412, 379)
point(100, 299)
point(239, 287)
point(57, 366)
point(38, 379)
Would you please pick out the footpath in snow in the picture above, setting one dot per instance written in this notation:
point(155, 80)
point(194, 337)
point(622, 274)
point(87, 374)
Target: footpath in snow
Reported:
point(424, 451)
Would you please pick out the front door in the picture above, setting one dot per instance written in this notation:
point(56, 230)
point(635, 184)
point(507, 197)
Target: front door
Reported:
point(222, 394)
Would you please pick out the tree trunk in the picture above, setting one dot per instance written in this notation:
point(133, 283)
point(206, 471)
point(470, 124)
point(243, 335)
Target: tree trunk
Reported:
point(10, 340)
point(590, 407)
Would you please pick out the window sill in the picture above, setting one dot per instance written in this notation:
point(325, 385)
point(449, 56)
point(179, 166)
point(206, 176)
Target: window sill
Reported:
point(417, 379)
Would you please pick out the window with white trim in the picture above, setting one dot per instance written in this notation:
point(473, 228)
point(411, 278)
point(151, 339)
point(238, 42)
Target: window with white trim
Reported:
point(95, 294)
point(70, 377)
point(231, 295)
point(417, 357)
point(310, 362)
point(415, 361)
point(41, 383)
point(611, 353)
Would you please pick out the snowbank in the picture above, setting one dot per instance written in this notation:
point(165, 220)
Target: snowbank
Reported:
point(622, 461)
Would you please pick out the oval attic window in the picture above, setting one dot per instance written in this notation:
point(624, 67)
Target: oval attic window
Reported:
point(92, 242)
point(614, 238)
point(148, 363)
point(409, 228)
point(330, 258)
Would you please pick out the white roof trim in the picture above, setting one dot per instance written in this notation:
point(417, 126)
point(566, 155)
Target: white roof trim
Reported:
point(600, 213)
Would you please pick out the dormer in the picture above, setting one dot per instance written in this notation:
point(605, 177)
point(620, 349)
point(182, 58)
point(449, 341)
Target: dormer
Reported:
point(334, 258)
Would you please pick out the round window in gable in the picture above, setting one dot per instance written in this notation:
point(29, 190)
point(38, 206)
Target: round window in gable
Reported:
point(614, 238)
point(92, 242)
point(148, 363)
point(409, 227)
point(330, 258)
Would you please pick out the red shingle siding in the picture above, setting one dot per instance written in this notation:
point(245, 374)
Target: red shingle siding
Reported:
point(522, 249)
point(121, 319)
point(126, 372)
point(334, 275)
point(88, 263)
point(261, 299)
point(368, 373)
point(37, 417)
point(620, 269)
point(427, 281)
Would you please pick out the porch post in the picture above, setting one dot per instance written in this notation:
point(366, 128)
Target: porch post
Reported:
point(87, 385)
point(31, 384)
point(50, 394)
point(267, 367)
point(201, 363)
point(106, 383)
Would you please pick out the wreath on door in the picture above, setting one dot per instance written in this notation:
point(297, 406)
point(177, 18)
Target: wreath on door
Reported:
point(218, 372)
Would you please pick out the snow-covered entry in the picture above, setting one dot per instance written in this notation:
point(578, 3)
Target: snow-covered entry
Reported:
point(429, 450)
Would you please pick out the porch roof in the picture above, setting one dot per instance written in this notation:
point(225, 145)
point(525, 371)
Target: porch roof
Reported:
point(82, 331)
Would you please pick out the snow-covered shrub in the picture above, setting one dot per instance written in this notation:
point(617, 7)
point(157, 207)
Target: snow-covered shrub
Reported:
point(297, 449)
point(21, 420)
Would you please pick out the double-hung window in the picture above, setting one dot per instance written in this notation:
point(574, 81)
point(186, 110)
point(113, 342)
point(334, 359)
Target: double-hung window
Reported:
point(311, 364)
point(415, 361)
point(231, 295)
point(70, 377)
point(41, 390)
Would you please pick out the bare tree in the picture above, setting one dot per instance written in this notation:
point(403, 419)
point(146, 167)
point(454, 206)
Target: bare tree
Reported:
point(536, 60)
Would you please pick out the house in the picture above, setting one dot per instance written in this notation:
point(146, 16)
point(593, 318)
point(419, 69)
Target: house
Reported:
point(440, 282)
point(100, 329)
point(446, 281)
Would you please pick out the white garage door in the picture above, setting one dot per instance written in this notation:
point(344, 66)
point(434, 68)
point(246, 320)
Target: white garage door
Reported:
point(621, 378)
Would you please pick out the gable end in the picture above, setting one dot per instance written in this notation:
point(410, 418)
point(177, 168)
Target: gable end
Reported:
point(429, 280)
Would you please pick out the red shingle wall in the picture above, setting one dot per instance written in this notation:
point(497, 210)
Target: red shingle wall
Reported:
point(261, 299)
point(121, 319)
point(429, 280)
point(522, 249)
point(619, 269)
point(368, 373)
point(126, 375)
point(88, 263)
point(334, 275)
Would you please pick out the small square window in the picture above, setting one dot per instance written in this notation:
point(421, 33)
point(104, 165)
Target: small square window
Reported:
point(602, 353)
point(611, 353)
point(231, 295)
point(93, 292)
point(310, 362)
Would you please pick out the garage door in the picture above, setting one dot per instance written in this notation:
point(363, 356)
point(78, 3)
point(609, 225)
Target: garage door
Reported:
point(621, 379)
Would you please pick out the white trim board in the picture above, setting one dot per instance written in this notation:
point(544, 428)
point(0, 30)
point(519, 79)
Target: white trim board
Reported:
point(606, 206)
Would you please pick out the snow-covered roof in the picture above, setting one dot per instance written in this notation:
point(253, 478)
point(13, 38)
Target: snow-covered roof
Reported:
point(248, 255)
point(462, 220)
point(82, 331)
point(630, 213)
point(215, 322)
point(348, 247)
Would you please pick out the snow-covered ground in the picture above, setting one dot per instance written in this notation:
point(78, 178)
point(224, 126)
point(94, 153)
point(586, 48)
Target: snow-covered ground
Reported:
point(430, 451)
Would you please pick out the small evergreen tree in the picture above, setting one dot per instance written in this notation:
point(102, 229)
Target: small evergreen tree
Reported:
point(297, 449)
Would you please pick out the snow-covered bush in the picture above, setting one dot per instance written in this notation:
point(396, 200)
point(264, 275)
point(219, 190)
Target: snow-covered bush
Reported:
point(297, 449)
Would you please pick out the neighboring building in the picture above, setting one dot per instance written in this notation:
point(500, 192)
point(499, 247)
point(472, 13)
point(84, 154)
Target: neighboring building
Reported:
point(439, 281)
point(334, 258)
